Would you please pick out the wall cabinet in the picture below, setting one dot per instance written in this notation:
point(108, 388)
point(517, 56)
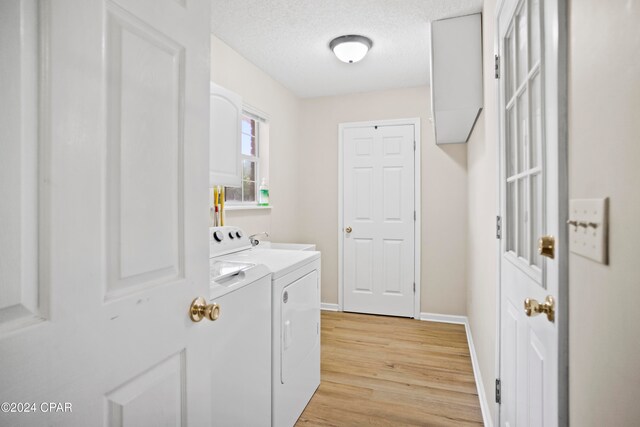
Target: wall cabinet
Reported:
point(225, 133)
point(456, 77)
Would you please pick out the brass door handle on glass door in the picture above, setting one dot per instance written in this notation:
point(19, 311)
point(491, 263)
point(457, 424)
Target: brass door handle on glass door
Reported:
point(533, 307)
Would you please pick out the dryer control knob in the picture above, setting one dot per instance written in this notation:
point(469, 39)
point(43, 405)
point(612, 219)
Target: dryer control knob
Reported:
point(231, 236)
point(218, 236)
point(238, 234)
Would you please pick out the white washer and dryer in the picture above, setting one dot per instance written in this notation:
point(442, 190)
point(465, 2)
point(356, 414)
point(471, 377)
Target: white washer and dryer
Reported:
point(295, 319)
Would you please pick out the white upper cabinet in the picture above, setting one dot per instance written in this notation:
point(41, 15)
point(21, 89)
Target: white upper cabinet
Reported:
point(224, 144)
point(456, 77)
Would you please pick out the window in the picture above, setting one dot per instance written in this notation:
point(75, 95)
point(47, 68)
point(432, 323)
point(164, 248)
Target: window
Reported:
point(250, 150)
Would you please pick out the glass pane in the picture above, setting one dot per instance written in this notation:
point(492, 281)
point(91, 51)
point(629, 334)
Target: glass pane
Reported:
point(510, 65)
point(534, 32)
point(521, 53)
point(249, 190)
point(232, 194)
point(523, 218)
point(248, 170)
point(512, 138)
point(536, 218)
point(536, 122)
point(248, 145)
point(510, 223)
point(248, 126)
point(523, 132)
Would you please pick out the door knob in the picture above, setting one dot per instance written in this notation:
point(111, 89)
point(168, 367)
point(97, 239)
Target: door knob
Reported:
point(348, 230)
point(533, 307)
point(547, 246)
point(200, 309)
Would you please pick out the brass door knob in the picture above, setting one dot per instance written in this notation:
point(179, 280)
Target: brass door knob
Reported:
point(200, 309)
point(547, 246)
point(533, 307)
point(348, 230)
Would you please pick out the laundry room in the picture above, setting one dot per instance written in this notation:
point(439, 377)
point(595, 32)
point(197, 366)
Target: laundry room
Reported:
point(339, 213)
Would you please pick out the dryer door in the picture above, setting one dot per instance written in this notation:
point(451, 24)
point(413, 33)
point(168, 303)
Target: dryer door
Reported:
point(300, 326)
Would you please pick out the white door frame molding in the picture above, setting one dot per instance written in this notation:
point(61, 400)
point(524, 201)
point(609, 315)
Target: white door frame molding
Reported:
point(562, 302)
point(417, 174)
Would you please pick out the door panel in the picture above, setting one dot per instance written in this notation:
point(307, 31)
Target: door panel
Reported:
point(530, 184)
point(392, 271)
point(24, 296)
point(364, 265)
point(378, 263)
point(144, 68)
point(160, 387)
point(108, 236)
point(363, 189)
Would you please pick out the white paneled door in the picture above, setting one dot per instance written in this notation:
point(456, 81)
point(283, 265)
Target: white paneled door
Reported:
point(103, 214)
point(533, 245)
point(378, 220)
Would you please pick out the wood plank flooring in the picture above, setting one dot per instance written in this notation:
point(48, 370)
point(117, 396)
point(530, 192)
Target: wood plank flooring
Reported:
point(388, 371)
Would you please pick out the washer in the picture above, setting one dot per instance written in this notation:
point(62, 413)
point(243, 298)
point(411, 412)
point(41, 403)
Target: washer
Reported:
point(295, 320)
point(241, 341)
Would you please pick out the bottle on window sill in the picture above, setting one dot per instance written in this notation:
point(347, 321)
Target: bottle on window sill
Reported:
point(263, 193)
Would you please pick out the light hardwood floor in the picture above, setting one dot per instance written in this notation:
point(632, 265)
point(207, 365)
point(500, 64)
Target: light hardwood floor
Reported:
point(388, 371)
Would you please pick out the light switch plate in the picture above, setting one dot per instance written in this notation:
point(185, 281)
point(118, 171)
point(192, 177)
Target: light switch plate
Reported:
point(588, 228)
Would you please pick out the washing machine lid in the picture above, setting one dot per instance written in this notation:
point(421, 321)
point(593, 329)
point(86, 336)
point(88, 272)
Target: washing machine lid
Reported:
point(280, 262)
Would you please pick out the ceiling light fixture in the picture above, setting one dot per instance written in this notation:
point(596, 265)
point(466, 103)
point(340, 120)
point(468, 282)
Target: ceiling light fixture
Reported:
point(351, 48)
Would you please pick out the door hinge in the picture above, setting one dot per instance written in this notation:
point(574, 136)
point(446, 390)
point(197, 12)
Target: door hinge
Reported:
point(498, 397)
point(414, 146)
point(498, 227)
point(496, 66)
point(414, 216)
point(414, 287)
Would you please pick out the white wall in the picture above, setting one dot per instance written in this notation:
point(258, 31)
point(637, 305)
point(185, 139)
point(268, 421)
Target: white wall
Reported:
point(604, 160)
point(482, 210)
point(604, 154)
point(444, 191)
point(304, 172)
point(258, 89)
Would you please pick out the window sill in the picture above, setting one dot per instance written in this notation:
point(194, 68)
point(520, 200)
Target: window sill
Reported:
point(245, 207)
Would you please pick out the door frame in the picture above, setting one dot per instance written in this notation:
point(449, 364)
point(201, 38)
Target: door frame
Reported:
point(562, 302)
point(415, 121)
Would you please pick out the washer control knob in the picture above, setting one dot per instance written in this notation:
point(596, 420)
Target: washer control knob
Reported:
point(231, 235)
point(238, 234)
point(218, 236)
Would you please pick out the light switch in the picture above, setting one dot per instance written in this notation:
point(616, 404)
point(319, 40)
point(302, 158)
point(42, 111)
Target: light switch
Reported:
point(588, 228)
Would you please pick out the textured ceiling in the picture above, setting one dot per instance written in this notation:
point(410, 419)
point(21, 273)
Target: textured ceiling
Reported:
point(289, 40)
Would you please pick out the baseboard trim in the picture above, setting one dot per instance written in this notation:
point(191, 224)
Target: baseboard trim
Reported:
point(329, 307)
point(484, 404)
point(463, 320)
point(443, 318)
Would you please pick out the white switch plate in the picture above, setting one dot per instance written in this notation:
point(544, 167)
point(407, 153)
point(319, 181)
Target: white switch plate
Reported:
point(588, 228)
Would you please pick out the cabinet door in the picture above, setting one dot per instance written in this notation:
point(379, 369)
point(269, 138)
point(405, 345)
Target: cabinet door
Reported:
point(224, 154)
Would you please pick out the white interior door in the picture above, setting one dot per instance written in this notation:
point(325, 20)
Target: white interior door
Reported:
point(530, 182)
point(378, 217)
point(103, 230)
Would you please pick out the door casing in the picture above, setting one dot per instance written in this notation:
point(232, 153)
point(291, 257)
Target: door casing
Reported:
point(416, 197)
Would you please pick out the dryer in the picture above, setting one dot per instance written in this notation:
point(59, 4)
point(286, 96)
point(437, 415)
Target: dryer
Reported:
point(295, 320)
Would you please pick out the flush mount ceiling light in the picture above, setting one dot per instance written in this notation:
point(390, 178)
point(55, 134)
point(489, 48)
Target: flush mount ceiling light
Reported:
point(350, 48)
